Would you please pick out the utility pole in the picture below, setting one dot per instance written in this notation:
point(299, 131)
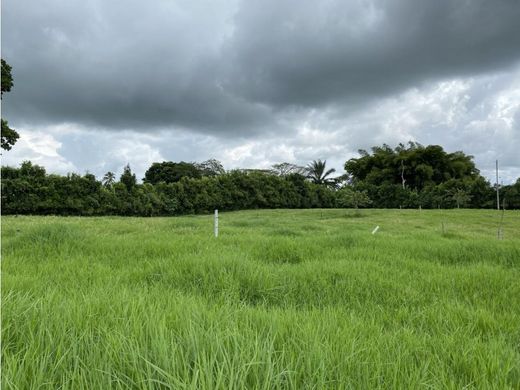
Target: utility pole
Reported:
point(498, 194)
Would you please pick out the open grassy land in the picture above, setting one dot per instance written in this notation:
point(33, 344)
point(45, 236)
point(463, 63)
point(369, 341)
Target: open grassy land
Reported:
point(282, 299)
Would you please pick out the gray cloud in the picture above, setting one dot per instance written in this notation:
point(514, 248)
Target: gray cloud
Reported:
point(225, 67)
point(122, 65)
point(99, 84)
point(314, 53)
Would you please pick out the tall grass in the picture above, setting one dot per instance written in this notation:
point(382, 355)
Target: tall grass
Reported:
point(282, 299)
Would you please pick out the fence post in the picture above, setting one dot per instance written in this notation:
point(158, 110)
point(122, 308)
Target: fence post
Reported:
point(216, 223)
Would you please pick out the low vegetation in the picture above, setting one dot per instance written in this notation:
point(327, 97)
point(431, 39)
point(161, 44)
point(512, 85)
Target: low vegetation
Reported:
point(403, 177)
point(282, 299)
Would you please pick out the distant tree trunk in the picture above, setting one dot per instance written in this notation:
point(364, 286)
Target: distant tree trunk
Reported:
point(403, 180)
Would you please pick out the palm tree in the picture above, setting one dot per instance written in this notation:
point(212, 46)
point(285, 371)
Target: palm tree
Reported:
point(316, 172)
point(109, 179)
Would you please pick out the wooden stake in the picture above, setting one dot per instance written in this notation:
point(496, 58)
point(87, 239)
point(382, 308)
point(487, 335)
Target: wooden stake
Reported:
point(498, 193)
point(216, 223)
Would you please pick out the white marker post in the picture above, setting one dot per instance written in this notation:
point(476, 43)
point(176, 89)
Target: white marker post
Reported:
point(216, 223)
point(375, 230)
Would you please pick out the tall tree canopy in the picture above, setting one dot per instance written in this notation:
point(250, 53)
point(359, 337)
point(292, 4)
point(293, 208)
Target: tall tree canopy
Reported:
point(128, 178)
point(9, 136)
point(413, 166)
point(211, 167)
point(171, 172)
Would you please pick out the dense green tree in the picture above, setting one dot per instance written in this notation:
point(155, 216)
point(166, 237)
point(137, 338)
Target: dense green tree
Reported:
point(9, 173)
point(414, 175)
point(482, 194)
point(348, 197)
point(211, 167)
point(171, 172)
point(414, 166)
point(27, 169)
point(128, 178)
point(7, 78)
point(510, 196)
point(8, 136)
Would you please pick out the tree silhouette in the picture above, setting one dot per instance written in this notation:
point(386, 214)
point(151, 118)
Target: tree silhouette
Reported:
point(285, 168)
point(109, 179)
point(317, 173)
point(128, 178)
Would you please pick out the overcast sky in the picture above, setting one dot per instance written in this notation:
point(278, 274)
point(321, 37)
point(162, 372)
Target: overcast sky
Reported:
point(99, 84)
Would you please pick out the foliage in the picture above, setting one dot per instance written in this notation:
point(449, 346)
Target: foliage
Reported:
point(171, 172)
point(8, 136)
point(511, 196)
point(179, 188)
point(413, 176)
point(109, 179)
point(348, 197)
point(317, 172)
point(211, 167)
point(460, 197)
point(128, 178)
point(7, 78)
point(414, 167)
point(29, 190)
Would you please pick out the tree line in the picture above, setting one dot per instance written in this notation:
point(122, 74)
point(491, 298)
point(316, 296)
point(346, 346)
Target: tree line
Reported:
point(30, 190)
point(403, 177)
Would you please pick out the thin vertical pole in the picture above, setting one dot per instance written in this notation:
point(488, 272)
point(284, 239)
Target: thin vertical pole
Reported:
point(216, 223)
point(402, 173)
point(498, 193)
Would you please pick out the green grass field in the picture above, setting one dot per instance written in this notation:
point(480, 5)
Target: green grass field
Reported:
point(283, 299)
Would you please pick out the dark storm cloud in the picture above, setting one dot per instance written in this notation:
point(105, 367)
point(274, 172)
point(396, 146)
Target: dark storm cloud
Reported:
point(122, 65)
point(317, 52)
point(237, 68)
